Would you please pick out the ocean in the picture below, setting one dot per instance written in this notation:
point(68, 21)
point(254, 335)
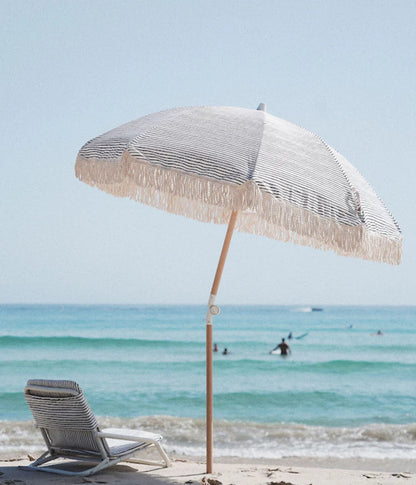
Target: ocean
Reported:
point(343, 392)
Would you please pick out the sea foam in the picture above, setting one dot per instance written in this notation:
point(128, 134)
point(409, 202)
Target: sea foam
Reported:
point(186, 436)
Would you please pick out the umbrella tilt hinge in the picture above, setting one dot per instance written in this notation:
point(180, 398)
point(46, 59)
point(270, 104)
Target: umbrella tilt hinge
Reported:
point(213, 309)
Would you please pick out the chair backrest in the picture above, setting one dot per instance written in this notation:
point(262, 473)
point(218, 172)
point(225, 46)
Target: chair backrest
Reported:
point(62, 413)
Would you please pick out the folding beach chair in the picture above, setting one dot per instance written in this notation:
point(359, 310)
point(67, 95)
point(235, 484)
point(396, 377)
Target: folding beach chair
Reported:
point(71, 431)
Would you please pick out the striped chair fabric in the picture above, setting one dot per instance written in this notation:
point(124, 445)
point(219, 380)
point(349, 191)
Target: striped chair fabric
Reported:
point(70, 429)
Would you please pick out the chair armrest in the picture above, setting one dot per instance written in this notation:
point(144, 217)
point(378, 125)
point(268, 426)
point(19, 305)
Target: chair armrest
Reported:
point(129, 435)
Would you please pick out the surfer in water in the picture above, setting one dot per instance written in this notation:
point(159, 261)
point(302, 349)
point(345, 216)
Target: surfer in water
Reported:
point(284, 348)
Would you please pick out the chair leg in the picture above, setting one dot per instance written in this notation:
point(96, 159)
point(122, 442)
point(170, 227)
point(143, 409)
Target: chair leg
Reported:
point(163, 454)
point(166, 461)
point(59, 471)
point(44, 458)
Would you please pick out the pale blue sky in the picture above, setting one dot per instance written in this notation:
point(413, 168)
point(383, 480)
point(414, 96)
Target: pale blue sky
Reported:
point(72, 70)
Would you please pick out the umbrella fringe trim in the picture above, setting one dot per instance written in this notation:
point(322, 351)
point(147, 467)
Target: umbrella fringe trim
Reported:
point(208, 200)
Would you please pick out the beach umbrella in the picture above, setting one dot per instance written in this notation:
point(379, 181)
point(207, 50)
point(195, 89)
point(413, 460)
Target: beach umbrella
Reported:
point(248, 169)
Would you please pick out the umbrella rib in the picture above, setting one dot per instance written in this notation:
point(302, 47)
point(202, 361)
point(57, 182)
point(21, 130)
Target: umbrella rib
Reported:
point(261, 108)
point(347, 179)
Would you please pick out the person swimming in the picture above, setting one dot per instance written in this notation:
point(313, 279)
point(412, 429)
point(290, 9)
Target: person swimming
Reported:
point(284, 348)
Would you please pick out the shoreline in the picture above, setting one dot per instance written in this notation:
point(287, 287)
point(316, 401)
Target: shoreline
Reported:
point(245, 440)
point(191, 470)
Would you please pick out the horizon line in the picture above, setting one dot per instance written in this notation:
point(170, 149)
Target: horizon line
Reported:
point(314, 305)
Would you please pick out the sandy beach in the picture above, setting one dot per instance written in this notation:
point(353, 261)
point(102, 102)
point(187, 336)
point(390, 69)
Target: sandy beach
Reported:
point(190, 471)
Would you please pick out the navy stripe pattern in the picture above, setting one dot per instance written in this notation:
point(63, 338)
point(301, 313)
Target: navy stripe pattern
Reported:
point(286, 182)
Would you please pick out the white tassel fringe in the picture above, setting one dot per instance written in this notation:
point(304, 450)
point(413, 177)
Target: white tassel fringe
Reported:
point(210, 201)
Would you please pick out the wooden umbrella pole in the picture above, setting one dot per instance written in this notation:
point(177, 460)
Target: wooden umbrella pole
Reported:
point(224, 252)
point(212, 310)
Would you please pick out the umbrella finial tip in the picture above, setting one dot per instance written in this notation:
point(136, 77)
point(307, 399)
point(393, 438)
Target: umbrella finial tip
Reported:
point(261, 107)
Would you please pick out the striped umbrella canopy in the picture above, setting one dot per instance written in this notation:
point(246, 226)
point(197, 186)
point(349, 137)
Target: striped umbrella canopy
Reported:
point(256, 172)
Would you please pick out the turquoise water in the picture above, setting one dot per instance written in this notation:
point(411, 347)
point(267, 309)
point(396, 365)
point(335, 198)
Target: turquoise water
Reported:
point(342, 390)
